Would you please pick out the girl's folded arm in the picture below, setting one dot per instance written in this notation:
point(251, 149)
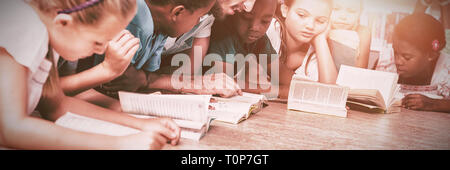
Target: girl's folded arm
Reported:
point(17, 127)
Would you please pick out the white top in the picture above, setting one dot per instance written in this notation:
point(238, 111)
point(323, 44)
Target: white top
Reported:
point(439, 87)
point(309, 68)
point(201, 30)
point(274, 32)
point(25, 37)
point(441, 77)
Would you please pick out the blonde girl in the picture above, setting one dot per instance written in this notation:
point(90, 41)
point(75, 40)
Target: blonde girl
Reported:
point(33, 35)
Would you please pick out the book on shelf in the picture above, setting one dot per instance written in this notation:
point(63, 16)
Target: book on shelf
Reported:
point(315, 97)
point(189, 129)
point(370, 90)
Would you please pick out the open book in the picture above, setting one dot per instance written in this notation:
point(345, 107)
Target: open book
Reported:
point(370, 90)
point(344, 47)
point(189, 129)
point(183, 107)
point(314, 97)
point(192, 108)
point(236, 109)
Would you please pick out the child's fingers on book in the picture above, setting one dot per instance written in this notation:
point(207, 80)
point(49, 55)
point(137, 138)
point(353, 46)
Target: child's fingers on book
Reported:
point(240, 92)
point(173, 126)
point(238, 89)
point(406, 99)
point(229, 82)
point(228, 86)
point(236, 86)
point(229, 93)
point(413, 104)
point(158, 141)
point(406, 103)
point(167, 131)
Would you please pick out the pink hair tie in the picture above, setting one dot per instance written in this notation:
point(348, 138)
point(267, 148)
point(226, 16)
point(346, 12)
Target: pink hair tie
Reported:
point(436, 45)
point(80, 7)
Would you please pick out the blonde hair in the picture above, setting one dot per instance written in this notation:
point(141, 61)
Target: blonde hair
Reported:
point(90, 15)
point(52, 91)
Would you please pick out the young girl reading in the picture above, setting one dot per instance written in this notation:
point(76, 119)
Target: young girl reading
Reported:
point(424, 71)
point(304, 48)
point(36, 32)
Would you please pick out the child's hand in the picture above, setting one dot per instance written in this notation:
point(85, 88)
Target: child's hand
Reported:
point(221, 84)
point(142, 141)
point(155, 134)
point(418, 102)
point(322, 37)
point(131, 81)
point(165, 126)
point(119, 53)
point(216, 84)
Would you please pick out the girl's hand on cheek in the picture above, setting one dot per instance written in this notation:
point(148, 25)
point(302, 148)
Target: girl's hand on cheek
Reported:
point(322, 37)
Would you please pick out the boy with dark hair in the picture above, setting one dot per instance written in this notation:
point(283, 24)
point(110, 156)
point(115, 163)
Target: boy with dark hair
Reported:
point(244, 33)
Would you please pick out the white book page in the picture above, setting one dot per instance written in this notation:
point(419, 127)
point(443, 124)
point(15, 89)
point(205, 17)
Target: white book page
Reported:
point(358, 78)
point(90, 125)
point(318, 98)
point(185, 107)
point(246, 98)
point(85, 124)
point(230, 111)
point(318, 94)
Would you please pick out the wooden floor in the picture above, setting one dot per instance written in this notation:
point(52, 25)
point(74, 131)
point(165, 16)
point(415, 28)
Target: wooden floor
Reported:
point(275, 128)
